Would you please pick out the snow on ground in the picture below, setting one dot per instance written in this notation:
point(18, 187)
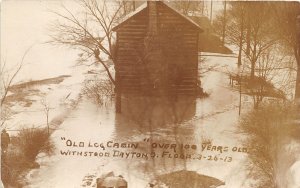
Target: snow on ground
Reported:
point(55, 96)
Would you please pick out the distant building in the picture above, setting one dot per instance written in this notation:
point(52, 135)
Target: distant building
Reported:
point(208, 40)
point(157, 52)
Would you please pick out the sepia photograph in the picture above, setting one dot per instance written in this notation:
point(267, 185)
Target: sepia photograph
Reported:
point(150, 94)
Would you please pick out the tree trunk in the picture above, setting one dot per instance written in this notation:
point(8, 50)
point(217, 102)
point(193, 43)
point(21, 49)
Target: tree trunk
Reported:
point(211, 10)
point(297, 89)
point(297, 56)
point(118, 94)
point(252, 73)
point(134, 6)
point(253, 58)
point(240, 55)
point(224, 24)
point(248, 36)
point(106, 69)
point(297, 92)
point(240, 99)
point(241, 45)
point(241, 41)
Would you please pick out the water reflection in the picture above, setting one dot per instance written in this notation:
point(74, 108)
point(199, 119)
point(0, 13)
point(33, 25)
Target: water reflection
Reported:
point(160, 120)
point(147, 114)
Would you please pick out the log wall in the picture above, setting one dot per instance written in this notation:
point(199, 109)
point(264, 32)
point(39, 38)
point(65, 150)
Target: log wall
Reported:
point(177, 40)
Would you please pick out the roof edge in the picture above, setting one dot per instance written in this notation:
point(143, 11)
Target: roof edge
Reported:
point(144, 6)
point(183, 16)
point(130, 15)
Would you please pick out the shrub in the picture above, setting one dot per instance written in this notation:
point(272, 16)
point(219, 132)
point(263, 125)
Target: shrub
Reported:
point(32, 141)
point(12, 165)
point(266, 129)
point(22, 153)
point(98, 90)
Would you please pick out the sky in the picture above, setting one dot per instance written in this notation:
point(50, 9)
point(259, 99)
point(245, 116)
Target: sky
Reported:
point(25, 27)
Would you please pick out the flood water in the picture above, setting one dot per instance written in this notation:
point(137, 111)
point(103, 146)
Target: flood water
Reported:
point(153, 124)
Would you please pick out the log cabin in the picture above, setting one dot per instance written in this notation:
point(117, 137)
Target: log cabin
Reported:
point(156, 52)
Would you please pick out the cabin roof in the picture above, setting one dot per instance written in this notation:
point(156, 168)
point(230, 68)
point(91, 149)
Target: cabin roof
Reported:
point(144, 6)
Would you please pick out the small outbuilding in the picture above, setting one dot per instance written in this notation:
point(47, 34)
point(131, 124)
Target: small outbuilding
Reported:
point(157, 52)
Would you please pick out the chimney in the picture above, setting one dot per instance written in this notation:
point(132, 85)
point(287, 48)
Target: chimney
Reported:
point(153, 67)
point(152, 8)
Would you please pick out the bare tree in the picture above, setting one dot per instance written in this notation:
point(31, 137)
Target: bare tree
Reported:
point(248, 32)
point(189, 7)
point(260, 36)
point(98, 90)
point(251, 23)
point(90, 31)
point(272, 78)
point(236, 27)
point(128, 6)
point(286, 21)
point(46, 111)
point(267, 75)
point(7, 77)
point(220, 22)
point(224, 22)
